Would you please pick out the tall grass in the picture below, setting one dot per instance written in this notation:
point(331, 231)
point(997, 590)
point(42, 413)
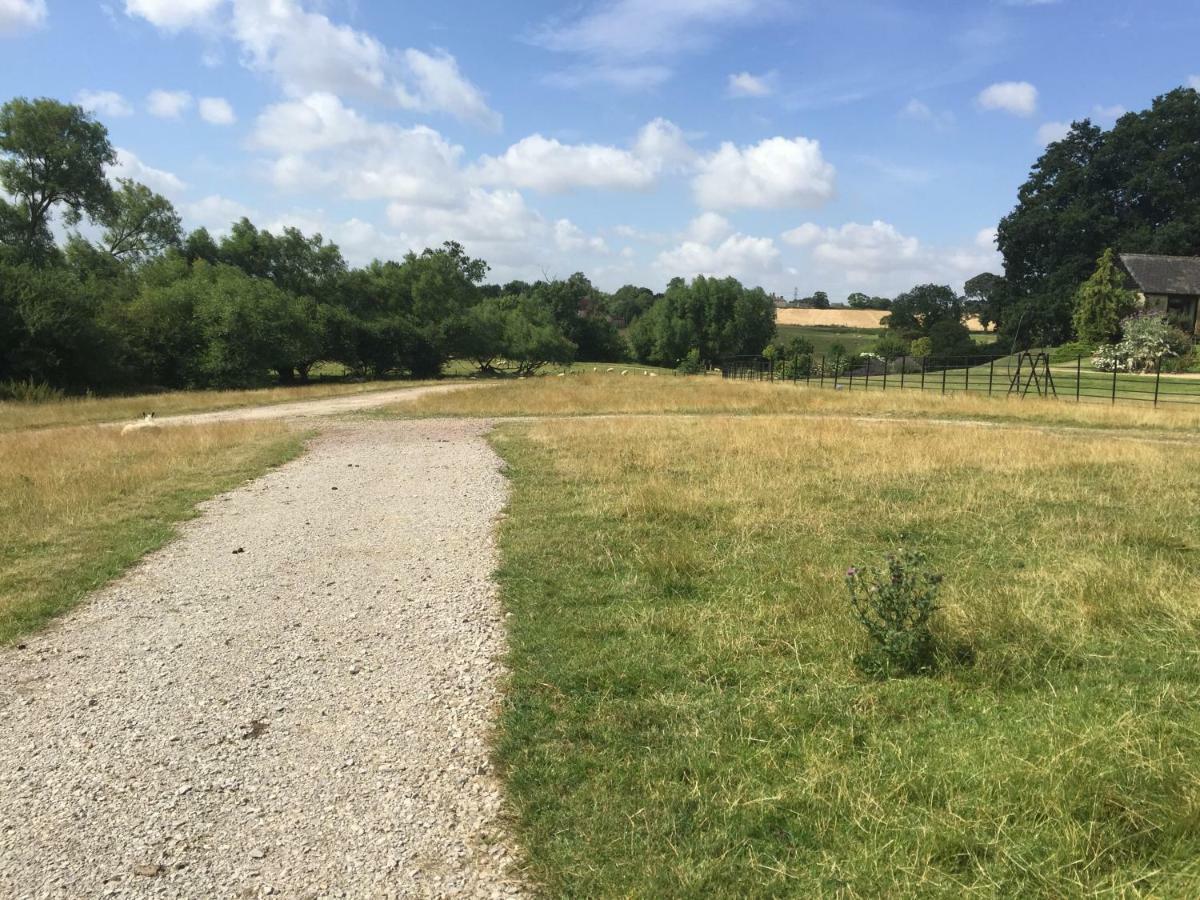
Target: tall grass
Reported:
point(79, 505)
point(611, 394)
point(58, 411)
point(684, 718)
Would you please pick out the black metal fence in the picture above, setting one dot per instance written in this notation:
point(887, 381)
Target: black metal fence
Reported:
point(1021, 375)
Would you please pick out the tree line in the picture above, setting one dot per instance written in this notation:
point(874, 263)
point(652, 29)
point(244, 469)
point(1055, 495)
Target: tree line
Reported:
point(140, 303)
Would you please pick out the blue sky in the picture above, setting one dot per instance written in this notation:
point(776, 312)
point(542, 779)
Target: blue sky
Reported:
point(833, 146)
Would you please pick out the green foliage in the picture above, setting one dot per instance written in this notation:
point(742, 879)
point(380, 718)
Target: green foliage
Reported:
point(139, 223)
point(691, 364)
point(921, 347)
point(891, 346)
point(1071, 351)
point(28, 391)
point(859, 300)
point(894, 604)
point(1102, 302)
point(915, 312)
point(985, 296)
point(1135, 188)
point(1148, 341)
point(518, 335)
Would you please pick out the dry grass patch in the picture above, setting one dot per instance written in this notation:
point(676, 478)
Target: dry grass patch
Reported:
point(79, 505)
point(89, 410)
point(684, 717)
point(612, 394)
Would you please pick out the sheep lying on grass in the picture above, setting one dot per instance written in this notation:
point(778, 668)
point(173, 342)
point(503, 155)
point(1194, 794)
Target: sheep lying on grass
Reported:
point(144, 423)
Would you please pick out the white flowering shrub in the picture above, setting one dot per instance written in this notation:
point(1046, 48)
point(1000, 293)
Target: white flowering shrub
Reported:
point(1148, 341)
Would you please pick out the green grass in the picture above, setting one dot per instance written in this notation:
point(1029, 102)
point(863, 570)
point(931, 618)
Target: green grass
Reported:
point(853, 340)
point(78, 506)
point(684, 720)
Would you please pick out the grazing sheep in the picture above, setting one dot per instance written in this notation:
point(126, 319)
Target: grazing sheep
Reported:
point(652, 374)
point(562, 374)
point(611, 369)
point(624, 371)
point(146, 421)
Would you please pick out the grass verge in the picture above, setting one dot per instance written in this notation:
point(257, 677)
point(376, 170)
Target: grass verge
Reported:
point(91, 410)
point(80, 505)
point(684, 720)
point(605, 394)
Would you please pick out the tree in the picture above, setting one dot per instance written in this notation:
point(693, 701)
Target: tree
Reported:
point(1102, 302)
point(819, 300)
point(985, 296)
point(52, 154)
point(1134, 188)
point(139, 223)
point(915, 312)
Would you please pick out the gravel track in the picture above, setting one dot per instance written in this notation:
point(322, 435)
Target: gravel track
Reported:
point(292, 698)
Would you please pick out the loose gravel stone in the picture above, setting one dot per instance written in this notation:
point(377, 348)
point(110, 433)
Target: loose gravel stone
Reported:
point(307, 718)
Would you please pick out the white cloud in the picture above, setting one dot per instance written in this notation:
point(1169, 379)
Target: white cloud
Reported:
point(1194, 82)
point(1016, 97)
point(774, 174)
point(103, 103)
point(614, 35)
point(708, 228)
point(1108, 113)
point(17, 16)
point(743, 84)
point(128, 165)
point(168, 104)
point(1050, 132)
point(548, 165)
point(173, 15)
point(571, 238)
point(880, 258)
point(918, 111)
point(216, 213)
point(216, 111)
point(439, 85)
point(739, 255)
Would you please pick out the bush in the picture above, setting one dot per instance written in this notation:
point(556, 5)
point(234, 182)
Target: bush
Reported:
point(894, 604)
point(691, 364)
point(1149, 340)
point(28, 391)
point(921, 347)
point(891, 346)
point(1071, 351)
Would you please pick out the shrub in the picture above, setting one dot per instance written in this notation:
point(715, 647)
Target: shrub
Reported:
point(691, 364)
point(891, 346)
point(1149, 340)
point(894, 604)
point(29, 391)
point(1071, 351)
point(921, 347)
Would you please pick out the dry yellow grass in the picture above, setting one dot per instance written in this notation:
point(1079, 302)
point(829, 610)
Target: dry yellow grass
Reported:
point(78, 505)
point(88, 410)
point(844, 318)
point(603, 394)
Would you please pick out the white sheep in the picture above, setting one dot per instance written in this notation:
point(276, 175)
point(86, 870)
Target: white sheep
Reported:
point(624, 371)
point(611, 369)
point(652, 374)
point(562, 374)
point(144, 423)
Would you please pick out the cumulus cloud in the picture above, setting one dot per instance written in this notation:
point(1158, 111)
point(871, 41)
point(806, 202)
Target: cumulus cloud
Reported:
point(173, 15)
point(546, 164)
point(1017, 97)
point(216, 111)
point(776, 173)
point(743, 84)
point(571, 238)
point(918, 111)
point(439, 85)
point(1050, 132)
point(738, 255)
point(103, 103)
point(708, 228)
point(19, 16)
point(168, 104)
point(881, 258)
point(216, 213)
point(128, 165)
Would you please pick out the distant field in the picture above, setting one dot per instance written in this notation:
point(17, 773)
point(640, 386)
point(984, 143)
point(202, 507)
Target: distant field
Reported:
point(842, 318)
point(683, 718)
point(853, 340)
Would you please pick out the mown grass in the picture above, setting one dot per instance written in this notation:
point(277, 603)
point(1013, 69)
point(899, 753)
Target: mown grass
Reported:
point(90, 410)
point(610, 394)
point(80, 505)
point(684, 719)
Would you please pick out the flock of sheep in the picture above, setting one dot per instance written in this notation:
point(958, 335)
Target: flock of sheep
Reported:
point(613, 369)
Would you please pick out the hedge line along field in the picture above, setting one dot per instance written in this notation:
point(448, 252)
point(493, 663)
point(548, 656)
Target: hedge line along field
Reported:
point(611, 394)
point(80, 505)
point(684, 718)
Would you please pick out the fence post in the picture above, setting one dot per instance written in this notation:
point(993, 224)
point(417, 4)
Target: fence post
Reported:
point(903, 367)
point(868, 373)
point(851, 387)
point(836, 359)
point(991, 372)
point(967, 376)
point(943, 379)
point(1157, 376)
point(924, 362)
point(771, 363)
point(1114, 386)
point(885, 368)
point(822, 370)
point(1078, 374)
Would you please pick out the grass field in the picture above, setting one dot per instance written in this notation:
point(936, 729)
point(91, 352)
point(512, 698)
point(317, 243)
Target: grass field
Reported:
point(823, 338)
point(602, 394)
point(684, 719)
point(79, 505)
point(90, 410)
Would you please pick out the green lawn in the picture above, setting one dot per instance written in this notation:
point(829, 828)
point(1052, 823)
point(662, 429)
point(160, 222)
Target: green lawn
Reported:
point(853, 340)
point(683, 717)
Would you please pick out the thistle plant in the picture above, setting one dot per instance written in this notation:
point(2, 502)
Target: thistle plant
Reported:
point(894, 603)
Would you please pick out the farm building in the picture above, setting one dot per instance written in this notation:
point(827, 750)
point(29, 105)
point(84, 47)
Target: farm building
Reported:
point(1167, 284)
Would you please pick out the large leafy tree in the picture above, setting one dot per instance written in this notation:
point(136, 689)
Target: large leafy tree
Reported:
point(139, 223)
point(1135, 188)
point(51, 154)
point(1102, 302)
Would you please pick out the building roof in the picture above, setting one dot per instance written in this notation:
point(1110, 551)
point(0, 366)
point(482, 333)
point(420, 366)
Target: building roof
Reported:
point(1163, 274)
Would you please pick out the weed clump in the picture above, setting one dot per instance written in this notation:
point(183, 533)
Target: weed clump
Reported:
point(894, 604)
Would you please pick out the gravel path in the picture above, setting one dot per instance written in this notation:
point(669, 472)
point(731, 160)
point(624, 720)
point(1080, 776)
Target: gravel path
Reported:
point(293, 698)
